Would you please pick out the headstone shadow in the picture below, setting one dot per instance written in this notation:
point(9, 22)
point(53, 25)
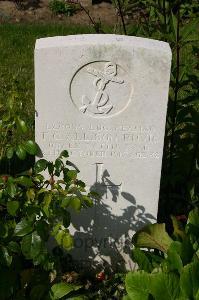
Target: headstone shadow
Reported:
point(103, 237)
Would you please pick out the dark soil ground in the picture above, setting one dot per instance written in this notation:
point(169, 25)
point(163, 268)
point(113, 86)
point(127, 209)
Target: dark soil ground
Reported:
point(34, 11)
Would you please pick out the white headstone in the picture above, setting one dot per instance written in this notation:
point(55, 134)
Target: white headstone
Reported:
point(104, 99)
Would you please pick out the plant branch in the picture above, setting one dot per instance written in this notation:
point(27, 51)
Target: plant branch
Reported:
point(121, 16)
point(172, 142)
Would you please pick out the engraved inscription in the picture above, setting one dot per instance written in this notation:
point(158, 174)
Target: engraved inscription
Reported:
point(99, 141)
point(101, 89)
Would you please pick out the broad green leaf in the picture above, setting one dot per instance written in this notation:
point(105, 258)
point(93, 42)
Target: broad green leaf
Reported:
point(10, 152)
point(40, 165)
point(62, 289)
point(11, 188)
point(64, 153)
point(189, 281)
point(87, 201)
point(189, 32)
point(58, 166)
point(152, 236)
point(165, 286)
point(193, 217)
point(138, 285)
point(21, 125)
point(12, 207)
point(75, 203)
point(46, 202)
point(141, 259)
point(173, 260)
point(178, 229)
point(24, 180)
point(71, 175)
point(50, 167)
point(30, 193)
point(3, 229)
point(14, 247)
point(62, 236)
point(5, 258)
point(192, 227)
point(21, 152)
point(67, 242)
point(31, 147)
point(23, 227)
point(31, 245)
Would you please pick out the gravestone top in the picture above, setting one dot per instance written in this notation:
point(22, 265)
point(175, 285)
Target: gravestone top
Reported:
point(65, 41)
point(104, 99)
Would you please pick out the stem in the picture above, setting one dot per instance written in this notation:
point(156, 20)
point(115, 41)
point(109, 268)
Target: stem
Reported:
point(172, 143)
point(3, 144)
point(121, 16)
point(164, 14)
point(192, 164)
point(96, 27)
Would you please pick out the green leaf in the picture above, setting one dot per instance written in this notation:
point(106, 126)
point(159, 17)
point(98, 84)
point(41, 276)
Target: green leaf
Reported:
point(46, 202)
point(3, 229)
point(62, 289)
point(11, 188)
point(12, 207)
point(71, 175)
point(10, 152)
point(24, 180)
point(50, 167)
point(138, 285)
point(64, 153)
point(30, 193)
point(75, 203)
point(23, 227)
point(58, 166)
point(40, 165)
point(165, 286)
point(31, 245)
point(14, 247)
point(193, 217)
point(5, 258)
point(31, 147)
point(189, 32)
point(67, 241)
point(62, 236)
point(21, 125)
point(189, 281)
point(152, 236)
point(87, 201)
point(21, 152)
point(141, 259)
point(173, 259)
point(178, 229)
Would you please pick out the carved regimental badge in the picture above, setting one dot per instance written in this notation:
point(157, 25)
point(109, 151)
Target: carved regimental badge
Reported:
point(101, 89)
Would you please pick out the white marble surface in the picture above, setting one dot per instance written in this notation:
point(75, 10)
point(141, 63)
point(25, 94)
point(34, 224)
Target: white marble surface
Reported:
point(104, 99)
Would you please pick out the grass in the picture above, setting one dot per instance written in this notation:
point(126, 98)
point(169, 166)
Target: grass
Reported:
point(17, 60)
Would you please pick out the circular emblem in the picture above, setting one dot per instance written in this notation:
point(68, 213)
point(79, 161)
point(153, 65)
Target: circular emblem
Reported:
point(101, 89)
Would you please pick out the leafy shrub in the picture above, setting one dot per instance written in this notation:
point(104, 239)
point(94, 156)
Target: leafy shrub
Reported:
point(15, 133)
point(33, 210)
point(169, 269)
point(62, 7)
